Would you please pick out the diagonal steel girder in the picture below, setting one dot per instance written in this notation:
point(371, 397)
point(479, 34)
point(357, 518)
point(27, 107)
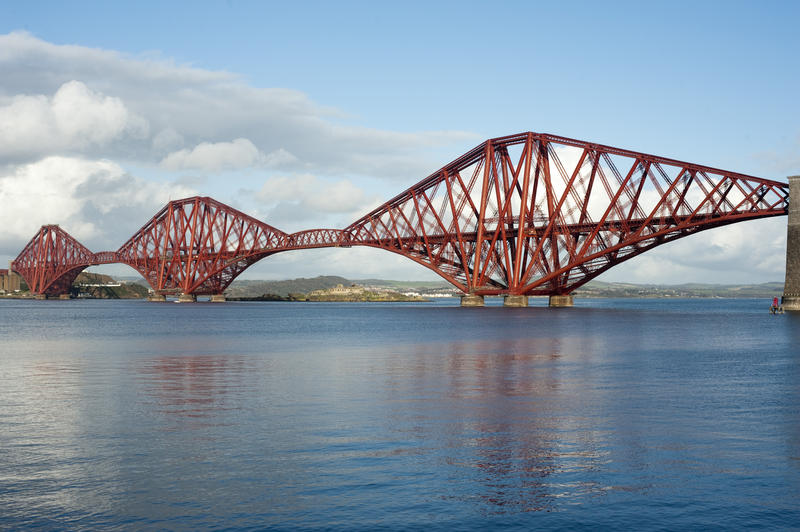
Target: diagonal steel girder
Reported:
point(524, 214)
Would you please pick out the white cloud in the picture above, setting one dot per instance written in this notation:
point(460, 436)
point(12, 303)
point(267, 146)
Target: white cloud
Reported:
point(213, 157)
point(745, 252)
point(292, 201)
point(219, 156)
point(95, 201)
point(358, 262)
point(75, 118)
point(328, 196)
point(167, 140)
point(279, 158)
point(205, 109)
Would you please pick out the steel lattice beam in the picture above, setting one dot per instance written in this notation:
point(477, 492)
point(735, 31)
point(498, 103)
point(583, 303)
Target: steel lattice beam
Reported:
point(539, 214)
point(525, 214)
point(51, 261)
point(198, 246)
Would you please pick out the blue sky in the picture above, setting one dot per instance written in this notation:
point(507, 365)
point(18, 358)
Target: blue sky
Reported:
point(387, 93)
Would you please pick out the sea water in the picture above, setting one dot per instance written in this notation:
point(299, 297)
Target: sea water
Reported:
point(614, 414)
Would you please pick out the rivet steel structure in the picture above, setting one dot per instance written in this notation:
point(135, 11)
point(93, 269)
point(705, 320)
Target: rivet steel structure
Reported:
point(526, 214)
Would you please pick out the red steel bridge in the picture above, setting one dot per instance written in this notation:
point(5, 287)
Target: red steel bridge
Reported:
point(526, 214)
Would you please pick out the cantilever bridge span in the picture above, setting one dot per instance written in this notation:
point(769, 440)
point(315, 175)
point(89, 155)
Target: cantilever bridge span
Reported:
point(527, 214)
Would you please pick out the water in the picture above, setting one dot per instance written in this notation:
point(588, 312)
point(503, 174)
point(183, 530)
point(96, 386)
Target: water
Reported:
point(616, 414)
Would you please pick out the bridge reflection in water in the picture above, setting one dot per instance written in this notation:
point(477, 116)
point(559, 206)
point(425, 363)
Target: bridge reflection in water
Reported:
point(527, 214)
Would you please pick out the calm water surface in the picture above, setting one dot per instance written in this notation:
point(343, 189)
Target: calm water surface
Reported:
point(658, 414)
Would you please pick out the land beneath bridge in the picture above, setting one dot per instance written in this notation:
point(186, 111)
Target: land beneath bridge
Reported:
point(324, 288)
point(287, 289)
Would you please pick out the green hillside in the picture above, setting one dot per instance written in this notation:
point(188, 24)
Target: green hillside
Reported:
point(246, 288)
point(99, 286)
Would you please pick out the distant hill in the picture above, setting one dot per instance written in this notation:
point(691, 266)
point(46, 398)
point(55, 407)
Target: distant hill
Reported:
point(246, 288)
point(254, 288)
point(603, 289)
point(405, 285)
point(100, 286)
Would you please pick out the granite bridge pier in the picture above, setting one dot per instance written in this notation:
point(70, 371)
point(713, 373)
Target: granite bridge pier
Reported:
point(791, 288)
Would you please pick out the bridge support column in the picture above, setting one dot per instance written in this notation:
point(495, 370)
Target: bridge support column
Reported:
point(63, 296)
point(157, 298)
point(791, 287)
point(561, 301)
point(187, 298)
point(218, 298)
point(471, 300)
point(40, 297)
point(515, 301)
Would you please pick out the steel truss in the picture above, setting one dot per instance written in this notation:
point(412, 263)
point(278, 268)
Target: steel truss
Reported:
point(526, 214)
point(52, 260)
point(198, 246)
point(535, 214)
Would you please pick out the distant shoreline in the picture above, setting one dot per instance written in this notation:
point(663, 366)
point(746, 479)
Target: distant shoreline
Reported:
point(339, 289)
point(405, 300)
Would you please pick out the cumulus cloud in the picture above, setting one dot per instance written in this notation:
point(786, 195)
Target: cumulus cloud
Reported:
point(166, 141)
point(76, 124)
point(197, 112)
point(73, 119)
point(305, 201)
point(217, 156)
point(313, 192)
point(95, 201)
point(240, 153)
point(746, 252)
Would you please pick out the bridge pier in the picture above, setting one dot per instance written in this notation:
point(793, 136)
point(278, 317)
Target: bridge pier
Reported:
point(561, 301)
point(43, 297)
point(515, 301)
point(218, 298)
point(471, 300)
point(791, 287)
point(157, 298)
point(187, 298)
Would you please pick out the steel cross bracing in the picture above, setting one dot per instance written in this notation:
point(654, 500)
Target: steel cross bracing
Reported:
point(525, 214)
point(540, 214)
point(52, 260)
point(198, 246)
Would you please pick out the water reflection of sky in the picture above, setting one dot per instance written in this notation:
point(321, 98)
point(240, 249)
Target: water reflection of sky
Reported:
point(511, 417)
point(194, 387)
point(399, 416)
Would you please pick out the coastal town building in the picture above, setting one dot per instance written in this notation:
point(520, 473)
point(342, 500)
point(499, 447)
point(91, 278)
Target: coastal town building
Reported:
point(9, 281)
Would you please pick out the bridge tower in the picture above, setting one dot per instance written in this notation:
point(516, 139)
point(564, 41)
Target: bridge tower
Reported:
point(791, 288)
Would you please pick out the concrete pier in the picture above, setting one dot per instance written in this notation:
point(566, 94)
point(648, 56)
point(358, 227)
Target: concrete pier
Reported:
point(791, 288)
point(157, 298)
point(40, 297)
point(471, 300)
point(515, 301)
point(561, 301)
point(218, 298)
point(187, 298)
point(63, 296)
